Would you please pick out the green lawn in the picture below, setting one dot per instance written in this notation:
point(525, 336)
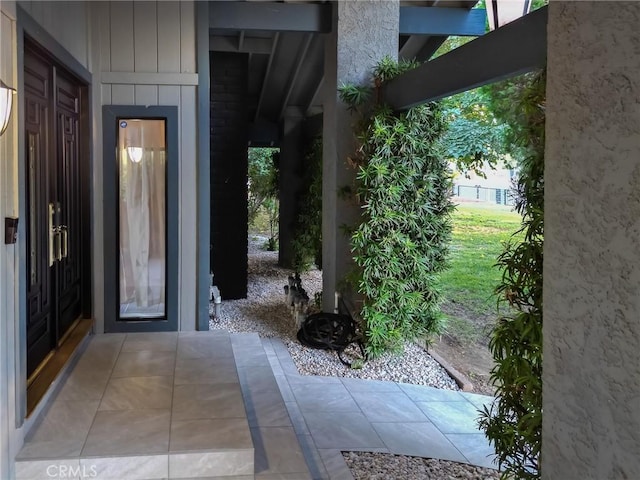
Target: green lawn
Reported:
point(479, 231)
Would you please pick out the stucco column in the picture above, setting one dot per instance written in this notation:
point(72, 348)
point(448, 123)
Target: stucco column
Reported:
point(363, 33)
point(291, 166)
point(591, 376)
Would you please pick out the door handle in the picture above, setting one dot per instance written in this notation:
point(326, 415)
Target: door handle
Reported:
point(58, 243)
point(61, 233)
point(64, 241)
point(58, 236)
point(53, 235)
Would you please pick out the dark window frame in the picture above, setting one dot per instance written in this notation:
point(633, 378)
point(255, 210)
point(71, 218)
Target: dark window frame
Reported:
point(111, 116)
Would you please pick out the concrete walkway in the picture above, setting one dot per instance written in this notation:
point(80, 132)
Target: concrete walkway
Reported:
point(214, 405)
point(331, 414)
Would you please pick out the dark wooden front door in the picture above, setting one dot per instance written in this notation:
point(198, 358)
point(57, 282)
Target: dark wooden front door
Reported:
point(56, 250)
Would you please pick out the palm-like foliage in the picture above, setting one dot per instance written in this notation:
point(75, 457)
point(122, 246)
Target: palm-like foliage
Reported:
point(514, 422)
point(404, 188)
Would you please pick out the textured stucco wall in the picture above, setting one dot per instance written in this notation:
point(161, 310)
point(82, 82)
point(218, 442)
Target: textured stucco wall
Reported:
point(364, 32)
point(367, 31)
point(591, 382)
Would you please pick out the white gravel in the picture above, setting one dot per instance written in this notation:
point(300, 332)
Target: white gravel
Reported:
point(265, 311)
point(377, 466)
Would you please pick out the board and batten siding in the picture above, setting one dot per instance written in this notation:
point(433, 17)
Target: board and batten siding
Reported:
point(146, 55)
point(66, 22)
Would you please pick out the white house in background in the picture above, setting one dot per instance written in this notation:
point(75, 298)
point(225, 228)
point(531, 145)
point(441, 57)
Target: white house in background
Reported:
point(492, 186)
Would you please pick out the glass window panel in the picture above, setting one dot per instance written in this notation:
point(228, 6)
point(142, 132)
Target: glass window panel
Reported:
point(142, 218)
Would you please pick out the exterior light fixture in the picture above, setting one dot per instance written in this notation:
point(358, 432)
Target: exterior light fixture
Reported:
point(6, 100)
point(500, 12)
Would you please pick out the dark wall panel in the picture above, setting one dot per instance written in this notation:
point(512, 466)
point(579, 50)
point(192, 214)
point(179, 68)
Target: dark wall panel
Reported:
point(229, 131)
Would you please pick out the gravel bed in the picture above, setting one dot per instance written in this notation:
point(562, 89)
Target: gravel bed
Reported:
point(384, 466)
point(265, 311)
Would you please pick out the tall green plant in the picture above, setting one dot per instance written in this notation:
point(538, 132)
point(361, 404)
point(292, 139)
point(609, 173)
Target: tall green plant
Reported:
point(475, 139)
point(262, 179)
point(263, 190)
point(404, 187)
point(307, 241)
point(514, 422)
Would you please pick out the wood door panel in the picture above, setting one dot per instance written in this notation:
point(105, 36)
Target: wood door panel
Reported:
point(38, 231)
point(39, 291)
point(68, 99)
point(69, 194)
point(37, 75)
point(40, 298)
point(53, 111)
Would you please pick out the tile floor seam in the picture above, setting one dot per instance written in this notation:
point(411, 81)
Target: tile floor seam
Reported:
point(364, 415)
point(447, 437)
point(290, 419)
point(436, 423)
point(461, 441)
point(396, 421)
point(370, 422)
point(173, 393)
point(317, 451)
point(342, 464)
point(294, 424)
point(459, 451)
point(273, 428)
point(305, 423)
point(104, 389)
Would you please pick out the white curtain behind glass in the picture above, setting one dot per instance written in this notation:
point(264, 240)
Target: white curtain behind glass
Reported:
point(142, 221)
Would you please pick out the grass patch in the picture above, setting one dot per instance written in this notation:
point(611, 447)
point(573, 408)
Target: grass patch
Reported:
point(479, 232)
point(260, 224)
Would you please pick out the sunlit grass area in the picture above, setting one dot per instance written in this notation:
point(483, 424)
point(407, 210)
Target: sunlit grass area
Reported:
point(260, 224)
point(479, 232)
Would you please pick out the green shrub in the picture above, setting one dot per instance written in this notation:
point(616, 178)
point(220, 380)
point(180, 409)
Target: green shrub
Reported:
point(404, 186)
point(307, 240)
point(263, 190)
point(514, 423)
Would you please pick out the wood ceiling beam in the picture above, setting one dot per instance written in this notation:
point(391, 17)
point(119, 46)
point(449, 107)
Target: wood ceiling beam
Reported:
point(516, 48)
point(316, 18)
point(429, 48)
point(267, 74)
point(219, 43)
point(314, 96)
point(442, 21)
point(420, 48)
point(296, 71)
point(281, 17)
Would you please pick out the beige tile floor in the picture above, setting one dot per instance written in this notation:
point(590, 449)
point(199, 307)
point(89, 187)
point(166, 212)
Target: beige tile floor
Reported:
point(145, 406)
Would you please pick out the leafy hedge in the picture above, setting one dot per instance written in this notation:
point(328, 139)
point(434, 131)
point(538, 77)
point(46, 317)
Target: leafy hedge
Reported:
point(263, 181)
point(404, 186)
point(514, 423)
point(307, 241)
